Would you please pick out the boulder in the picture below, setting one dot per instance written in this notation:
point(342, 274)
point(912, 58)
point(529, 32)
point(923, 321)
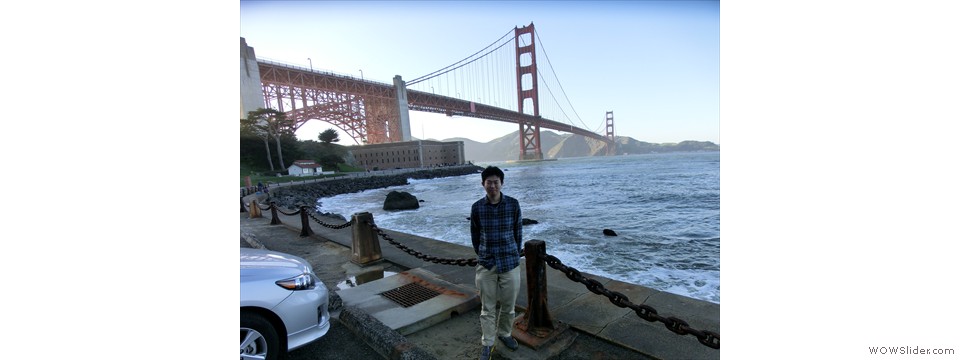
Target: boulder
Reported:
point(400, 200)
point(609, 232)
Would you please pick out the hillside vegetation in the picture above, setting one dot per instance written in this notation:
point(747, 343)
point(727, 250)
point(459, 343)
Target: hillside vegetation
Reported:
point(253, 154)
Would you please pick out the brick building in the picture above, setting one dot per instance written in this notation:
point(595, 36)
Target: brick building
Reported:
point(409, 154)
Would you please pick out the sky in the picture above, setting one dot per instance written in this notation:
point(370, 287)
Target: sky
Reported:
point(838, 165)
point(656, 65)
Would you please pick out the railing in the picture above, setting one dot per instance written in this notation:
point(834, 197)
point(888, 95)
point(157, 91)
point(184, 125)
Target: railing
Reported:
point(366, 250)
point(319, 71)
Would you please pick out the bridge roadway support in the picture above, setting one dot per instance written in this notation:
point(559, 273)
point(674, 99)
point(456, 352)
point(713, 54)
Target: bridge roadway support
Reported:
point(381, 120)
point(251, 92)
point(403, 108)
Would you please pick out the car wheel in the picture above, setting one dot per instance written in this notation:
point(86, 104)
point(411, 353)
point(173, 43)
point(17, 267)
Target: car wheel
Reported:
point(258, 338)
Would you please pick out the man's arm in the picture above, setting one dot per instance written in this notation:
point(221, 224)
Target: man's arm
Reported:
point(475, 228)
point(518, 229)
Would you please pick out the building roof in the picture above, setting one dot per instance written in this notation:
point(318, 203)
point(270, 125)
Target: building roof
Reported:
point(306, 164)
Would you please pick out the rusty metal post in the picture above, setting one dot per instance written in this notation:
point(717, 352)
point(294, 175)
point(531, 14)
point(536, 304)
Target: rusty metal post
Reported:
point(366, 245)
point(254, 209)
point(273, 212)
point(536, 328)
point(242, 208)
point(538, 315)
point(304, 223)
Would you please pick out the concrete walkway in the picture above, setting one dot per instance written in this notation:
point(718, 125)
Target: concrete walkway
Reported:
point(603, 330)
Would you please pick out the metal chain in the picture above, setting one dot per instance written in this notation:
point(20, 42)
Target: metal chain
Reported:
point(335, 227)
point(289, 214)
point(680, 327)
point(676, 325)
point(261, 207)
point(419, 255)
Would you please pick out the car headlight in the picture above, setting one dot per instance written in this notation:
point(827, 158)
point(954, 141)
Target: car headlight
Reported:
point(299, 282)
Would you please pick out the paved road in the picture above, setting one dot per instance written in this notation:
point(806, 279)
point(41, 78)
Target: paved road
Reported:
point(338, 344)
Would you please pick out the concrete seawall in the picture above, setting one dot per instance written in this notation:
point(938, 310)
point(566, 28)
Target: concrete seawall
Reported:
point(621, 330)
point(308, 193)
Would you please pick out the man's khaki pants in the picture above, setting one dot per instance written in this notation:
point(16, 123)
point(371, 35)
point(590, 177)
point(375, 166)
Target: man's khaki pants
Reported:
point(494, 288)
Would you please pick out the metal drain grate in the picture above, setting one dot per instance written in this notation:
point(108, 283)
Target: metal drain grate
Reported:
point(410, 294)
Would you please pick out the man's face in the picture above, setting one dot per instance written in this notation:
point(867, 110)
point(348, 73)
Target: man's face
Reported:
point(492, 185)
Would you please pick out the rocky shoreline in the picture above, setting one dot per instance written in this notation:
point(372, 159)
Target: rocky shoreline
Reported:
point(292, 197)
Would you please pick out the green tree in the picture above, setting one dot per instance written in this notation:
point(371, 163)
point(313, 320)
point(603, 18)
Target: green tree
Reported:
point(330, 161)
point(255, 125)
point(275, 124)
point(328, 136)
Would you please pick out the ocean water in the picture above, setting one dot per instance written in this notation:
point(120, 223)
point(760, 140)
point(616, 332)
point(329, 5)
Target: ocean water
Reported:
point(665, 209)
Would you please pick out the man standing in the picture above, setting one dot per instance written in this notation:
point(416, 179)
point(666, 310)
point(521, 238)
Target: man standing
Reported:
point(496, 233)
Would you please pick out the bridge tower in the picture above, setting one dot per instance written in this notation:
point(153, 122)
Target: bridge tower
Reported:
point(529, 129)
point(612, 147)
point(251, 92)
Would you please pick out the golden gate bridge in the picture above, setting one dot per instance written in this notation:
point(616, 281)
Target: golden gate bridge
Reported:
point(499, 82)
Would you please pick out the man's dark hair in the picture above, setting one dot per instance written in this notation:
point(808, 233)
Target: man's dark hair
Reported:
point(491, 171)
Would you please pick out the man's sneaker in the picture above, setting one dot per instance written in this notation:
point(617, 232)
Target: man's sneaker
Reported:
point(509, 341)
point(485, 352)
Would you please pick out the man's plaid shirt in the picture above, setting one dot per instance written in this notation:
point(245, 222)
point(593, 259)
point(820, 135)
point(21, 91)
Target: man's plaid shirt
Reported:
point(496, 233)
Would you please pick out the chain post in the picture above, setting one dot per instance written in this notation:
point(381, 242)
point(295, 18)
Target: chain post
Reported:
point(365, 247)
point(538, 315)
point(305, 229)
point(255, 210)
point(536, 328)
point(273, 212)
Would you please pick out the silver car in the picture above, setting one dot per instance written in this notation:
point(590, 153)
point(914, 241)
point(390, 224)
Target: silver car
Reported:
point(283, 305)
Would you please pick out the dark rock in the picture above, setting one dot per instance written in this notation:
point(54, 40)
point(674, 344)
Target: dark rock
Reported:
point(609, 232)
point(422, 201)
point(400, 200)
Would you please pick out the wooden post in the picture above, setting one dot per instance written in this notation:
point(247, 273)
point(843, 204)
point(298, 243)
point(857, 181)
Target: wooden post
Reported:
point(254, 210)
point(366, 245)
point(305, 223)
point(273, 212)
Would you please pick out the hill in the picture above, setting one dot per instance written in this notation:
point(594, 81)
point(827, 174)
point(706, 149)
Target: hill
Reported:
point(555, 146)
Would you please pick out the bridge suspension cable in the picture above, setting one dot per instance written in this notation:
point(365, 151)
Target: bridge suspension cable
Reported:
point(560, 85)
point(553, 71)
point(486, 77)
point(489, 77)
point(441, 71)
